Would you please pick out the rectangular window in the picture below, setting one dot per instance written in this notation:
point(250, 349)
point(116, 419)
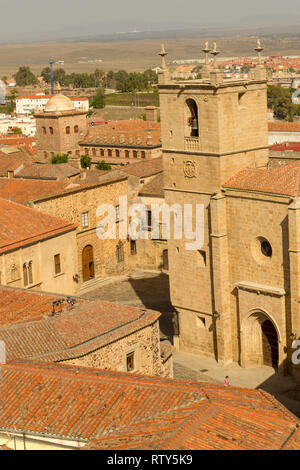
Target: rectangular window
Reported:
point(85, 219)
point(149, 220)
point(57, 265)
point(130, 362)
point(133, 247)
point(120, 253)
point(117, 213)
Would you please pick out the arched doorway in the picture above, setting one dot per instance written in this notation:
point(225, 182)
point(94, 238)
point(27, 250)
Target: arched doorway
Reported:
point(88, 267)
point(165, 260)
point(269, 344)
point(259, 341)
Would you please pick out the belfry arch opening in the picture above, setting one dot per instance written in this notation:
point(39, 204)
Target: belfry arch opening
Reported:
point(192, 121)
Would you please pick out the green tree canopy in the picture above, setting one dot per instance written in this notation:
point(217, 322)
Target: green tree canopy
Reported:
point(24, 77)
point(85, 161)
point(280, 100)
point(98, 101)
point(59, 158)
point(103, 166)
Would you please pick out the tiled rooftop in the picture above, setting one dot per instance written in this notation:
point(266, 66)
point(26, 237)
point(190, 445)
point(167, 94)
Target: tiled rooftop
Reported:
point(284, 179)
point(132, 133)
point(25, 190)
point(21, 226)
point(29, 330)
point(47, 170)
point(284, 126)
point(113, 410)
point(154, 188)
point(145, 168)
point(286, 147)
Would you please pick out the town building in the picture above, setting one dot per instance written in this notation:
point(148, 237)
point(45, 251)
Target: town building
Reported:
point(37, 251)
point(283, 131)
point(77, 201)
point(28, 104)
point(10, 123)
point(60, 127)
point(74, 331)
point(123, 142)
point(88, 408)
point(236, 295)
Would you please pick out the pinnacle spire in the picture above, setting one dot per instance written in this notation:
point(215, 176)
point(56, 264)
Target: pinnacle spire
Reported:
point(215, 53)
point(163, 54)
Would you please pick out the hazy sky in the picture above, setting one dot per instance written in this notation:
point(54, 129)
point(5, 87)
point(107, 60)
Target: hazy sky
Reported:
point(30, 18)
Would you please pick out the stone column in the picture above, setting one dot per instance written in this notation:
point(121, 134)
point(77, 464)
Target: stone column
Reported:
point(220, 275)
point(293, 322)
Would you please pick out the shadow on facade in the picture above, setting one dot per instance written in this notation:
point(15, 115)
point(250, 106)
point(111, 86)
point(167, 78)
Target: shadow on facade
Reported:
point(154, 293)
point(285, 389)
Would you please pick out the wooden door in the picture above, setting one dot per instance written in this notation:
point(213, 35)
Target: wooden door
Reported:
point(88, 271)
point(165, 260)
point(269, 344)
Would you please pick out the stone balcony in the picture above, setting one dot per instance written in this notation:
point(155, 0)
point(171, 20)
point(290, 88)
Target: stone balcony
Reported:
point(191, 144)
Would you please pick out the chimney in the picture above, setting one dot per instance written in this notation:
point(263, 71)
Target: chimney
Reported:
point(10, 174)
point(151, 113)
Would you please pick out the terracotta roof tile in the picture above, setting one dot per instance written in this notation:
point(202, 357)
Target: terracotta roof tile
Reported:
point(286, 147)
point(113, 410)
point(47, 170)
point(21, 226)
point(132, 133)
point(284, 126)
point(25, 190)
point(145, 168)
point(284, 179)
point(154, 188)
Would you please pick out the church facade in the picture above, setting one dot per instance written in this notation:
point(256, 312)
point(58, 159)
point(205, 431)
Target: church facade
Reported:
point(236, 297)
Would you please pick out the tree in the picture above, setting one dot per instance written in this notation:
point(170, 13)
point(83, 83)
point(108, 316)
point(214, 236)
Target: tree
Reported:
point(280, 99)
point(25, 77)
point(98, 101)
point(85, 161)
point(46, 74)
point(59, 158)
point(103, 166)
point(17, 131)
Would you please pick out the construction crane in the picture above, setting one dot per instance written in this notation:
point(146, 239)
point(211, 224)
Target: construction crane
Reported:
point(51, 63)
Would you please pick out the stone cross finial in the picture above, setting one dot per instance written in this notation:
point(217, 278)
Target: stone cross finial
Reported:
point(163, 54)
point(215, 53)
point(206, 51)
point(259, 50)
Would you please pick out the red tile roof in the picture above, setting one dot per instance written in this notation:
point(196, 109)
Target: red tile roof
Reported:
point(74, 332)
point(284, 179)
point(25, 190)
point(112, 410)
point(39, 97)
point(284, 126)
point(9, 164)
point(286, 147)
point(47, 170)
point(22, 142)
point(145, 168)
point(132, 133)
point(154, 188)
point(21, 226)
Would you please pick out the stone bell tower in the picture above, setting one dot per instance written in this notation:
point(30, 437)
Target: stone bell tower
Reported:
point(211, 129)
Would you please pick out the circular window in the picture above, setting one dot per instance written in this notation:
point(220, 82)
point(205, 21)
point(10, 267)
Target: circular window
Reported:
point(261, 250)
point(266, 248)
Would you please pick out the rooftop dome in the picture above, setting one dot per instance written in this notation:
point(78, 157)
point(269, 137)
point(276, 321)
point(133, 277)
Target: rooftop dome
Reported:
point(59, 103)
